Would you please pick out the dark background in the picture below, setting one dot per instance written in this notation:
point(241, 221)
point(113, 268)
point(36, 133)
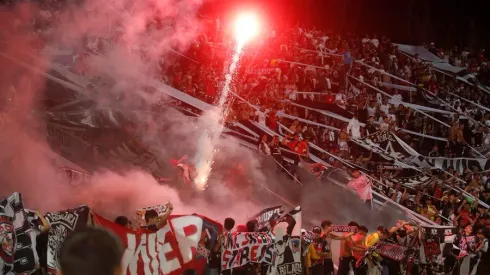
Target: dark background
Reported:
point(448, 23)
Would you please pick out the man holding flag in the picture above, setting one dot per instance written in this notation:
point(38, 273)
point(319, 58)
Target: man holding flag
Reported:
point(362, 185)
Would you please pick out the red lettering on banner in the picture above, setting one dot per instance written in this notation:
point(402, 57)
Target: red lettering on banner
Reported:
point(253, 253)
point(246, 240)
point(238, 256)
point(169, 251)
point(225, 258)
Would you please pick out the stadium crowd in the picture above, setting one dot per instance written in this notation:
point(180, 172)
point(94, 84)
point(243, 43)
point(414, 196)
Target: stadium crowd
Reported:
point(293, 73)
point(95, 249)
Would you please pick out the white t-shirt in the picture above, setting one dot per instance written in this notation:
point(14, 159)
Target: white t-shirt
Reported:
point(397, 98)
point(261, 116)
point(340, 100)
point(371, 111)
point(354, 127)
point(486, 139)
point(385, 108)
point(292, 95)
point(384, 126)
point(408, 71)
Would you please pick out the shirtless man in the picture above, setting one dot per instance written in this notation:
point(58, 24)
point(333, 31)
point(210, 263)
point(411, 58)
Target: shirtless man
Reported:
point(452, 137)
point(460, 141)
point(345, 257)
point(357, 248)
point(327, 236)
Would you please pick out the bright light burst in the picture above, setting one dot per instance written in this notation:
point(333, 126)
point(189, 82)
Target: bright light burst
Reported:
point(246, 27)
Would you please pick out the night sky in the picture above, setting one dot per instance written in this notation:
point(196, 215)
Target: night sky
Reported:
point(445, 22)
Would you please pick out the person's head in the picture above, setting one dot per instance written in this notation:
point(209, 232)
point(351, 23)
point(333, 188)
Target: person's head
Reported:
point(92, 251)
point(151, 217)
point(383, 232)
point(461, 223)
point(229, 224)
point(362, 230)
point(468, 229)
point(316, 230)
point(123, 221)
point(452, 196)
point(353, 223)
point(326, 226)
point(356, 173)
point(480, 234)
point(264, 138)
point(251, 226)
point(402, 233)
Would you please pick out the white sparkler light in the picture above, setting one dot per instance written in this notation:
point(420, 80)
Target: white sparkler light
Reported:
point(246, 27)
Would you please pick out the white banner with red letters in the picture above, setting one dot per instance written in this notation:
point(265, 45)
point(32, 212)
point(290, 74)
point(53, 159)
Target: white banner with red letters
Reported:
point(183, 243)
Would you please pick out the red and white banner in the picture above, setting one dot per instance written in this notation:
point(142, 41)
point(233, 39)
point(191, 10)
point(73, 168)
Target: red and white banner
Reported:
point(243, 248)
point(183, 243)
point(344, 228)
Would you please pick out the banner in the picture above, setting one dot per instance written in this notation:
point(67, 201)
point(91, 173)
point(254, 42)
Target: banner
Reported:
point(308, 237)
point(441, 233)
point(17, 238)
point(183, 243)
point(418, 180)
point(431, 242)
point(260, 71)
point(268, 216)
point(390, 147)
point(279, 249)
point(244, 248)
point(63, 223)
point(344, 228)
point(390, 250)
point(459, 164)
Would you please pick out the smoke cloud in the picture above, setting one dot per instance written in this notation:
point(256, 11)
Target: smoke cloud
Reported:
point(240, 184)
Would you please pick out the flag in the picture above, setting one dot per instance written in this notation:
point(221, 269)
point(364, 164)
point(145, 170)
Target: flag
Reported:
point(183, 243)
point(278, 250)
point(63, 223)
point(362, 186)
point(268, 216)
point(17, 237)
